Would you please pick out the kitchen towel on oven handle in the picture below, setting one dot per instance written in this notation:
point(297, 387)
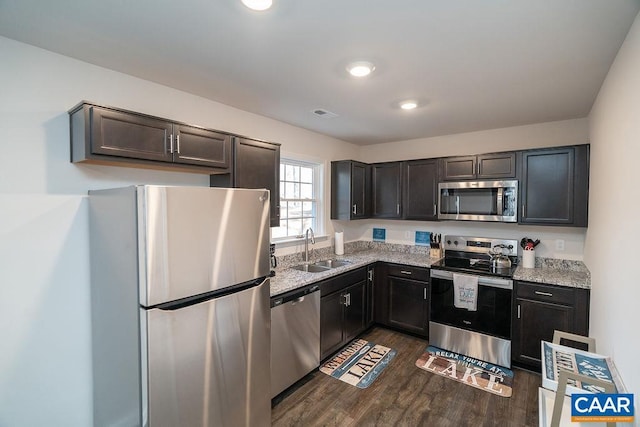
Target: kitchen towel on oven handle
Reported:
point(465, 291)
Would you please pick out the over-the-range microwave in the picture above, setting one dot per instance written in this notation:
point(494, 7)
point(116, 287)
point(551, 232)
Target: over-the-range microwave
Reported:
point(495, 201)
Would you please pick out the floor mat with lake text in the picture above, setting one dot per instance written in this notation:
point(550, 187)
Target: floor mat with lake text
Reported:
point(467, 370)
point(359, 363)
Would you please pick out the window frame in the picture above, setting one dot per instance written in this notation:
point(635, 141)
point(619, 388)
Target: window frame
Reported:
point(317, 167)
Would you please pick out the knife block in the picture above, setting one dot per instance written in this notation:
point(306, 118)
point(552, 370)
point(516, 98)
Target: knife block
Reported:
point(435, 253)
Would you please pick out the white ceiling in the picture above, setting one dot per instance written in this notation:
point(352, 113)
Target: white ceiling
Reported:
point(471, 64)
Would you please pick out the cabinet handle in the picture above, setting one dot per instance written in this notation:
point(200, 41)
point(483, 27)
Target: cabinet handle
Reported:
point(518, 311)
point(346, 300)
point(405, 272)
point(546, 294)
point(171, 144)
point(278, 211)
point(178, 144)
point(370, 275)
point(354, 210)
point(478, 168)
point(398, 209)
point(466, 322)
point(523, 211)
point(435, 209)
point(425, 293)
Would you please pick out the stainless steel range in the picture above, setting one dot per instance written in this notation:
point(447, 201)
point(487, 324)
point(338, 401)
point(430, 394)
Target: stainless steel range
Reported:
point(480, 270)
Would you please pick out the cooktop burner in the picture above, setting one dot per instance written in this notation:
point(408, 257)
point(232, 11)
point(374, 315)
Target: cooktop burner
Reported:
point(468, 266)
point(473, 255)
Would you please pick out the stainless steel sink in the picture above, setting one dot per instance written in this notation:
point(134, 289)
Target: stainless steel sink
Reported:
point(320, 266)
point(332, 263)
point(310, 268)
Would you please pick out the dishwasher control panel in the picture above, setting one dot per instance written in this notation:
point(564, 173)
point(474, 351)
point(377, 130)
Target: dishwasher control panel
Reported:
point(292, 295)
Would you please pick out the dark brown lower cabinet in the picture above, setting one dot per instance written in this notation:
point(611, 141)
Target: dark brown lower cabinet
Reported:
point(343, 310)
point(408, 299)
point(402, 298)
point(540, 309)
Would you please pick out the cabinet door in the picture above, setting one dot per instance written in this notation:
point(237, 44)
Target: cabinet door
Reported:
point(381, 295)
point(496, 165)
point(122, 134)
point(547, 186)
point(355, 310)
point(331, 319)
point(408, 304)
point(350, 189)
point(457, 168)
point(257, 165)
point(197, 146)
point(535, 321)
point(359, 190)
point(421, 190)
point(386, 181)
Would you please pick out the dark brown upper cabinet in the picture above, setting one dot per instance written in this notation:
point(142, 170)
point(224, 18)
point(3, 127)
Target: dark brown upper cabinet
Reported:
point(554, 186)
point(113, 136)
point(420, 186)
point(256, 164)
point(481, 166)
point(350, 190)
point(386, 190)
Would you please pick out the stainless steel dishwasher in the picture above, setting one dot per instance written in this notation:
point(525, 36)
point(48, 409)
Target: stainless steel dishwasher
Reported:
point(295, 336)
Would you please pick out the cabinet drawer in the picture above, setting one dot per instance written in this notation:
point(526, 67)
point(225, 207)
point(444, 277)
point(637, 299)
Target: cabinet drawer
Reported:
point(550, 293)
point(340, 282)
point(416, 273)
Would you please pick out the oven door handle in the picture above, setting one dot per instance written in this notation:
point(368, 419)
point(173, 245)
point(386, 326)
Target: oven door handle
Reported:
point(482, 280)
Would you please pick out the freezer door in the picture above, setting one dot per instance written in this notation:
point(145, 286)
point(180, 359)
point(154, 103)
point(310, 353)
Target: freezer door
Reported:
point(208, 363)
point(198, 239)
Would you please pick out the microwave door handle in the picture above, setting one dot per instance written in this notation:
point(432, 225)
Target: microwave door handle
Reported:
point(500, 201)
point(457, 205)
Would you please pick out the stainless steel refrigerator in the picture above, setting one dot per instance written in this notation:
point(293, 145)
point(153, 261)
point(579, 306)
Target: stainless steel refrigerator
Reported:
point(180, 306)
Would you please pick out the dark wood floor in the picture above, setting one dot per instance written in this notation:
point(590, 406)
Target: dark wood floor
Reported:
point(404, 395)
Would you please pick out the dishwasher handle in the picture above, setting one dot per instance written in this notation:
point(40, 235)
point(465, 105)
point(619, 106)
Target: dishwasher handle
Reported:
point(294, 297)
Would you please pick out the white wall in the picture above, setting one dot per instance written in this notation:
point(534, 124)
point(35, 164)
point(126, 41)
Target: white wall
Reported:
point(567, 132)
point(45, 350)
point(615, 210)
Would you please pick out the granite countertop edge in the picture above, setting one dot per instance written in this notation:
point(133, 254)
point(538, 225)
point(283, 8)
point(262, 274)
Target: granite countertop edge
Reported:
point(288, 279)
point(554, 276)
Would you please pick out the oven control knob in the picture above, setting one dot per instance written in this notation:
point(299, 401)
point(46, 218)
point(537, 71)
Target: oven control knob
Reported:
point(448, 242)
point(455, 242)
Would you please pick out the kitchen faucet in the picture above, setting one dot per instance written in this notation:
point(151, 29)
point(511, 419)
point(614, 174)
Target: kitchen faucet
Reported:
point(306, 243)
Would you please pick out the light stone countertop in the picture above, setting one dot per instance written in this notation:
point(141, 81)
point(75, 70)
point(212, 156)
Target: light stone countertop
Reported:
point(572, 274)
point(287, 279)
point(554, 276)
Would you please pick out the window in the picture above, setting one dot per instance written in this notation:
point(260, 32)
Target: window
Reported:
point(300, 199)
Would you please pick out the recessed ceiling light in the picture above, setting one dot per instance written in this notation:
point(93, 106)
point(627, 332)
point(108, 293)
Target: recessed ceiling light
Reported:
point(408, 105)
point(360, 68)
point(258, 4)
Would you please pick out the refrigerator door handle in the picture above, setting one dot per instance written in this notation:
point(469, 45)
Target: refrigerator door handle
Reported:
point(198, 299)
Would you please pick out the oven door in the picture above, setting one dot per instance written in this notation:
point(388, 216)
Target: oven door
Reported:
point(478, 201)
point(493, 314)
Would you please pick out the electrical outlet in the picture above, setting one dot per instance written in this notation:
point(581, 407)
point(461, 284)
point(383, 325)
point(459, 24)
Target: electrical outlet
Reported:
point(559, 245)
